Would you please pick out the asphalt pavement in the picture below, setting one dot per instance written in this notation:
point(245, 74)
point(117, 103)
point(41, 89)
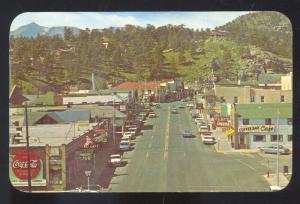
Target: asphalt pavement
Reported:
point(163, 161)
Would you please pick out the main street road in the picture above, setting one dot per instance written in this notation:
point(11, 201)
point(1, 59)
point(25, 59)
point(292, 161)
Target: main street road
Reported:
point(163, 161)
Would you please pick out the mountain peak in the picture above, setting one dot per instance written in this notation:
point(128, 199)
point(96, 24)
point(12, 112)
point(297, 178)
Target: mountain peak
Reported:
point(33, 24)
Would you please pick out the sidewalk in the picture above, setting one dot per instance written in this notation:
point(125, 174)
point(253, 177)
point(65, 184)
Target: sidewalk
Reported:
point(222, 144)
point(272, 180)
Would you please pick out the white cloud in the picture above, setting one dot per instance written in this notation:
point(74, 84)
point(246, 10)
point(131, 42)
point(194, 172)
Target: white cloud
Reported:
point(119, 19)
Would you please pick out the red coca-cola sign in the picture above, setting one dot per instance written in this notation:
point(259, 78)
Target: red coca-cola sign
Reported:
point(20, 165)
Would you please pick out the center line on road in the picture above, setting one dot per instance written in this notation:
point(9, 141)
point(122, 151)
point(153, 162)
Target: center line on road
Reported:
point(167, 135)
point(149, 145)
point(147, 154)
point(246, 164)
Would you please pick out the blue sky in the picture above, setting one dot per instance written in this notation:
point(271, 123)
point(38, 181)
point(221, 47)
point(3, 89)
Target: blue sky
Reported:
point(118, 19)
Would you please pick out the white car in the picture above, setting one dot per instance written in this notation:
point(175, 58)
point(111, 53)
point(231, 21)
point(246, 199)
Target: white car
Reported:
point(208, 139)
point(203, 128)
point(275, 188)
point(190, 105)
point(126, 139)
point(152, 115)
point(115, 160)
point(127, 134)
point(199, 119)
point(133, 131)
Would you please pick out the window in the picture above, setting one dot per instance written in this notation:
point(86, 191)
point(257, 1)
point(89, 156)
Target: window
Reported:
point(259, 138)
point(262, 99)
point(222, 100)
point(281, 99)
point(290, 121)
point(290, 138)
point(274, 138)
point(252, 99)
point(268, 121)
point(245, 121)
point(55, 176)
point(235, 99)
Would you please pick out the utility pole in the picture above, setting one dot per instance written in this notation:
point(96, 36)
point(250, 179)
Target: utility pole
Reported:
point(27, 149)
point(114, 115)
point(277, 169)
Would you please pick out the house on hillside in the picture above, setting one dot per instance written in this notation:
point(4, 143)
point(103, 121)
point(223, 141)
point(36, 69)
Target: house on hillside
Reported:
point(16, 97)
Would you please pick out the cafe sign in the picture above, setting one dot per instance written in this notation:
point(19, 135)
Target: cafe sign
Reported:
point(256, 128)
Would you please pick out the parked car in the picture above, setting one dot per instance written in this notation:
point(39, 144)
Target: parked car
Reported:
point(115, 160)
point(198, 120)
point(90, 189)
point(190, 105)
point(187, 133)
point(275, 188)
point(126, 138)
point(157, 105)
point(273, 149)
point(207, 138)
point(152, 115)
point(124, 145)
point(203, 128)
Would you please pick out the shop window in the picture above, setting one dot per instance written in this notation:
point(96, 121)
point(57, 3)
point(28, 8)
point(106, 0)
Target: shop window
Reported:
point(235, 99)
point(290, 138)
point(268, 121)
point(55, 177)
point(281, 99)
point(274, 138)
point(245, 121)
point(262, 99)
point(290, 121)
point(252, 99)
point(259, 138)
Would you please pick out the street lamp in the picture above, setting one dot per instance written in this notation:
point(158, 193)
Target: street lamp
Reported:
point(88, 174)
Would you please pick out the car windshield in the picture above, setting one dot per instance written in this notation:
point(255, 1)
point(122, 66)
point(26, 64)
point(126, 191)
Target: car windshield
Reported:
point(115, 156)
point(124, 143)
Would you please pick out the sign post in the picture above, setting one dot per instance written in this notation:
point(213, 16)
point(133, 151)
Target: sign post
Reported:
point(88, 174)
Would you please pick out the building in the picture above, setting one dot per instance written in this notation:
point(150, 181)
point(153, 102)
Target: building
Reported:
point(287, 82)
point(58, 117)
point(144, 90)
point(92, 99)
point(257, 125)
point(53, 157)
point(246, 94)
point(16, 97)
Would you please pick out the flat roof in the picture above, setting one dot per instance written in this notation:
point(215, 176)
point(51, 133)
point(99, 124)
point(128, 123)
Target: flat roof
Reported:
point(267, 110)
point(53, 135)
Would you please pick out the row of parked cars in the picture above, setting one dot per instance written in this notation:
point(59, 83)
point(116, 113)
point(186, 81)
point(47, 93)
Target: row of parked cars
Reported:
point(131, 130)
point(203, 129)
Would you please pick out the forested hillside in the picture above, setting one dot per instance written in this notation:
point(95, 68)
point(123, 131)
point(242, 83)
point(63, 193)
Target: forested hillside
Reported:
point(153, 53)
